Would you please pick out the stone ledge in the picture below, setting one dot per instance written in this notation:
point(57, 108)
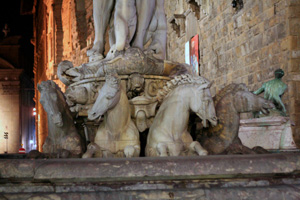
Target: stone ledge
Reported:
point(264, 121)
point(273, 176)
point(150, 169)
point(271, 133)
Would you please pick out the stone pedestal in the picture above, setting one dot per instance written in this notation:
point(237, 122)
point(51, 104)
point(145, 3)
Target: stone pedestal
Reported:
point(273, 176)
point(272, 133)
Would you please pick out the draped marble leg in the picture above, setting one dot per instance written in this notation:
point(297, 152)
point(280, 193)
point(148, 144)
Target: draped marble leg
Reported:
point(159, 39)
point(102, 14)
point(124, 23)
point(145, 11)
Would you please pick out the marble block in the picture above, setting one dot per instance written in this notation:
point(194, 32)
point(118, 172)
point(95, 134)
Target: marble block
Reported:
point(272, 133)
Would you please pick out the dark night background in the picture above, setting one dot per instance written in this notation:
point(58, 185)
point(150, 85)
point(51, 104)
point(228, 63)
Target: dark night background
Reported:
point(18, 15)
point(10, 13)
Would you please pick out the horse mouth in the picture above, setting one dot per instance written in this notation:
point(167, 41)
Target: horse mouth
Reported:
point(94, 116)
point(210, 122)
point(213, 121)
point(266, 107)
point(206, 122)
point(265, 111)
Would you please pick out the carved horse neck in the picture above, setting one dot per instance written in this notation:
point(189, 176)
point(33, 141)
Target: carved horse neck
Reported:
point(228, 115)
point(66, 116)
point(118, 117)
point(182, 94)
point(177, 103)
point(226, 130)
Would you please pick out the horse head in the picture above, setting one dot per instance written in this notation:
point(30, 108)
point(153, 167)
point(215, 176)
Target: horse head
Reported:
point(50, 99)
point(108, 97)
point(245, 101)
point(202, 104)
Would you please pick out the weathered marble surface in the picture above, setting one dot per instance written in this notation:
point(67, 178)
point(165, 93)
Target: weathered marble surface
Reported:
point(230, 102)
point(273, 176)
point(132, 23)
point(272, 133)
point(117, 135)
point(168, 135)
point(150, 168)
point(275, 193)
point(62, 134)
point(126, 62)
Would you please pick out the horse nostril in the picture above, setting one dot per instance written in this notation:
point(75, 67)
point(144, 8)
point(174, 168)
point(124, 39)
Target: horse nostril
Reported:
point(93, 114)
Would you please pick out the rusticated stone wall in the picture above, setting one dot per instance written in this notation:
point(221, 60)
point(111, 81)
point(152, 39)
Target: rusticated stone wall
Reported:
point(63, 30)
point(293, 41)
point(241, 45)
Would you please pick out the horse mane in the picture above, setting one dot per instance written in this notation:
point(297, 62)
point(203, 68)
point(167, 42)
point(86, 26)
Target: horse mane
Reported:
point(231, 88)
point(112, 80)
point(53, 84)
point(184, 79)
point(49, 83)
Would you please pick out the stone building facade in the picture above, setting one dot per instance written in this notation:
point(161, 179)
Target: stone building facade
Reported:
point(63, 30)
point(245, 44)
point(10, 109)
point(16, 93)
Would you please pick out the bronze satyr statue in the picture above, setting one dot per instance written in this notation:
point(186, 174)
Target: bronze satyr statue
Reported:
point(274, 89)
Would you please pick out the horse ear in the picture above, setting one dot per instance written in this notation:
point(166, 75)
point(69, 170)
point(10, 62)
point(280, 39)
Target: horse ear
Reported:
point(205, 85)
point(112, 79)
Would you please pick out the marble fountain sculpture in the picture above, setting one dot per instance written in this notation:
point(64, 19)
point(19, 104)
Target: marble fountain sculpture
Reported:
point(62, 134)
point(133, 89)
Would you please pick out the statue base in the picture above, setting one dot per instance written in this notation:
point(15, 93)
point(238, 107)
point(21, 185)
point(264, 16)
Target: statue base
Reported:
point(271, 133)
point(207, 177)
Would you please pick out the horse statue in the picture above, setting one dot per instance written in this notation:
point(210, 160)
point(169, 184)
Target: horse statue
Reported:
point(62, 134)
point(168, 135)
point(230, 102)
point(117, 135)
